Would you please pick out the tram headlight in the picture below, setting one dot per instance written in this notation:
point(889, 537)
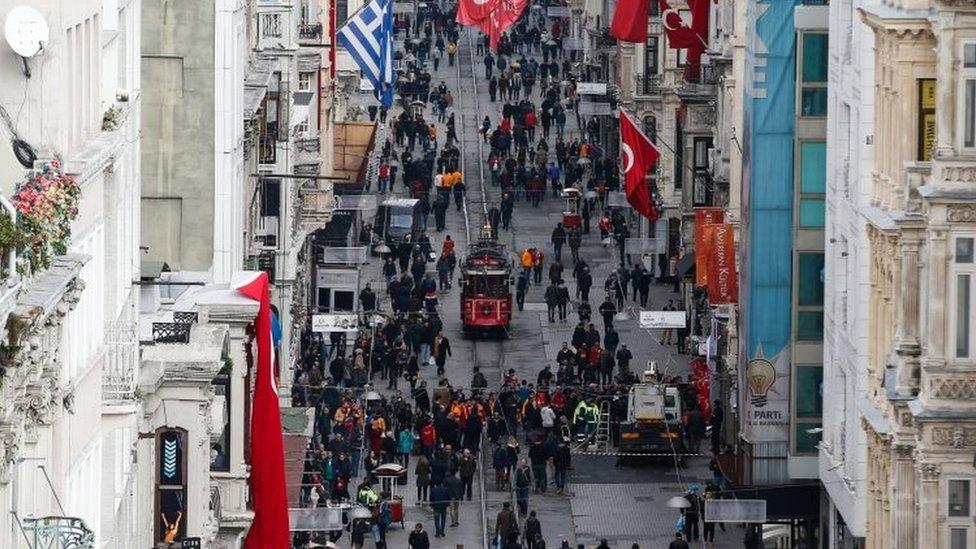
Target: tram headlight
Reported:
point(485, 310)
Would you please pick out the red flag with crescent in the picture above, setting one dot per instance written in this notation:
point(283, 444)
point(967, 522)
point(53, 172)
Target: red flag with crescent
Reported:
point(270, 527)
point(638, 155)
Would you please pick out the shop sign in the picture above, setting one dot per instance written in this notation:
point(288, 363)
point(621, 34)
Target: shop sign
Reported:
point(335, 322)
point(662, 319)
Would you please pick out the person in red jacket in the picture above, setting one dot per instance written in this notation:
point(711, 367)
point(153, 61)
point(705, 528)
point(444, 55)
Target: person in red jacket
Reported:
point(530, 122)
point(428, 438)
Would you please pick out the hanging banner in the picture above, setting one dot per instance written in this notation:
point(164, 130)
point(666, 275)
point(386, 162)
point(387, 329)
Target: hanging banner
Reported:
point(705, 253)
point(723, 280)
point(704, 216)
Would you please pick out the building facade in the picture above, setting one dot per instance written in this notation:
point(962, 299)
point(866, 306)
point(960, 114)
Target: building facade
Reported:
point(843, 451)
point(912, 221)
point(69, 310)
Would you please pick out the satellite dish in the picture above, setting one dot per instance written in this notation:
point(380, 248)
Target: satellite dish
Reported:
point(26, 31)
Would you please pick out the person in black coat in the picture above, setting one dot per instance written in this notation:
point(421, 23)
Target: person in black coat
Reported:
point(440, 498)
point(419, 538)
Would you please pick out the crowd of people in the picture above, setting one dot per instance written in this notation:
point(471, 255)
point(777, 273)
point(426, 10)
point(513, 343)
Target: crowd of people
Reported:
point(529, 427)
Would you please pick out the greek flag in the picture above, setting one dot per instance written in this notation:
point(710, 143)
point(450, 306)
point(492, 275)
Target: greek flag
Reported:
point(368, 36)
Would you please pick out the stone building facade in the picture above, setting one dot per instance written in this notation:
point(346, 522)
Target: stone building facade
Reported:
point(919, 218)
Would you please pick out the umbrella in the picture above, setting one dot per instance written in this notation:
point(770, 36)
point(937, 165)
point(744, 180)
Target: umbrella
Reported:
point(678, 502)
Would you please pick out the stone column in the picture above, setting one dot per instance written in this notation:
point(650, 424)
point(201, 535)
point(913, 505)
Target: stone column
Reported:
point(946, 86)
point(906, 345)
point(936, 311)
point(928, 509)
point(902, 490)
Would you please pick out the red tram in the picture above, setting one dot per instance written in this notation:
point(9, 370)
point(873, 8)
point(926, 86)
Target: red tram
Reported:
point(486, 296)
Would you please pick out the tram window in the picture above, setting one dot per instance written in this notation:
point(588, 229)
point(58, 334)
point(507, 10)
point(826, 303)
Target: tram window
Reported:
point(401, 220)
point(489, 285)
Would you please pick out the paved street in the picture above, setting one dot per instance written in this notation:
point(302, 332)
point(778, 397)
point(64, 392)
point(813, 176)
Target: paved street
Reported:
point(624, 505)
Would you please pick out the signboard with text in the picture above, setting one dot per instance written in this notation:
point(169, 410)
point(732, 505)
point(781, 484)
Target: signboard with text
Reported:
point(591, 88)
point(587, 108)
point(662, 319)
point(337, 322)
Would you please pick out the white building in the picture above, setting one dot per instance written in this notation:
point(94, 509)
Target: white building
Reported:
point(67, 422)
point(846, 322)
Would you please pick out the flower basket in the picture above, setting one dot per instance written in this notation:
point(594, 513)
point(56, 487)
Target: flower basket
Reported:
point(46, 203)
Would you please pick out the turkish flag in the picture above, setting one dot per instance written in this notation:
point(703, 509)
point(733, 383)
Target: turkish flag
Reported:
point(638, 156)
point(475, 13)
point(493, 17)
point(630, 20)
point(269, 530)
point(693, 36)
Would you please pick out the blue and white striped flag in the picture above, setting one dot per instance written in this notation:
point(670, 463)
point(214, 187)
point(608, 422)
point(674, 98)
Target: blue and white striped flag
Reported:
point(368, 36)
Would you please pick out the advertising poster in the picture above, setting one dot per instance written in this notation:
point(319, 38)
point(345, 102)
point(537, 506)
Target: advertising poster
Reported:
point(767, 221)
point(704, 216)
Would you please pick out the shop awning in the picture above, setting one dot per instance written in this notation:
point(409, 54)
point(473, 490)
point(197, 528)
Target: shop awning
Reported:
point(686, 265)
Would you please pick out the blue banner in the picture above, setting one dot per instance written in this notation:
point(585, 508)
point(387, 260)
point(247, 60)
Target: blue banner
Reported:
point(767, 186)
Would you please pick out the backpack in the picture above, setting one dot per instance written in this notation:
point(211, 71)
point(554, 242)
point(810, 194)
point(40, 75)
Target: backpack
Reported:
point(385, 516)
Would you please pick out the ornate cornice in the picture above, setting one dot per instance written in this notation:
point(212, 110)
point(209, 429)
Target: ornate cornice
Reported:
point(31, 393)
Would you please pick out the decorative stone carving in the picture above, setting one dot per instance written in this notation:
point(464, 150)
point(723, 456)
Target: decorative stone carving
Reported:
point(962, 174)
point(953, 389)
point(9, 453)
point(929, 471)
point(903, 451)
point(961, 213)
point(956, 436)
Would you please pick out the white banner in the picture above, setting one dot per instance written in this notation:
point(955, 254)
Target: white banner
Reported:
point(591, 88)
point(339, 322)
point(735, 510)
point(557, 11)
point(662, 319)
point(587, 108)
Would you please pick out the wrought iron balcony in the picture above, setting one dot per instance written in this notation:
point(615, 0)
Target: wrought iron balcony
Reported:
point(171, 332)
point(58, 533)
point(267, 149)
point(310, 32)
point(121, 370)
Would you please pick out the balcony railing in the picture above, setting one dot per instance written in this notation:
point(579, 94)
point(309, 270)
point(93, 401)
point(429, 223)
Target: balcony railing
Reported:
point(267, 150)
point(120, 374)
point(310, 32)
point(59, 533)
point(171, 332)
point(317, 201)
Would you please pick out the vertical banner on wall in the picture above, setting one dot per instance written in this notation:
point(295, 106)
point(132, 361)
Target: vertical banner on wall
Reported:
point(703, 217)
point(767, 220)
point(723, 281)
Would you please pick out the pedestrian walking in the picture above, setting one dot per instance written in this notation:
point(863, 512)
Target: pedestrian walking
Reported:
point(558, 240)
point(533, 531)
point(418, 538)
point(523, 480)
point(440, 499)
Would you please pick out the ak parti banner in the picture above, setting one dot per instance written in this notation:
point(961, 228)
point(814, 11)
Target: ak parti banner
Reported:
point(703, 252)
point(723, 279)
